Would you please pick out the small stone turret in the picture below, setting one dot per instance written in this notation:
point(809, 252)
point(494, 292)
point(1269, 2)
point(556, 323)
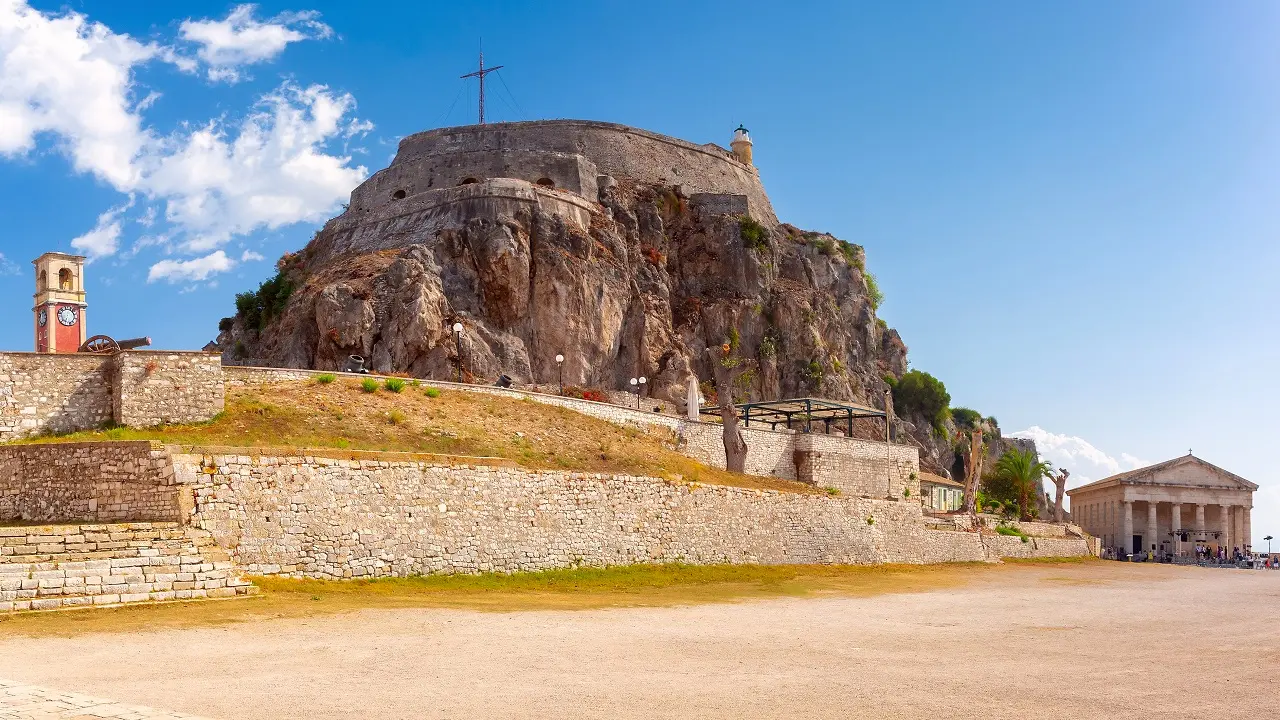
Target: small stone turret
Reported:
point(741, 145)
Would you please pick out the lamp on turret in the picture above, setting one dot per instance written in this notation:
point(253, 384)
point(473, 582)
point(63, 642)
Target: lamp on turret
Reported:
point(741, 145)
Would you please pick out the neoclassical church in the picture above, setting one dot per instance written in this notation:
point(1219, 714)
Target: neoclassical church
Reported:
point(1167, 508)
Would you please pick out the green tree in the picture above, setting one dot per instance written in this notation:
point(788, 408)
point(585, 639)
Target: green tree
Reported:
point(920, 392)
point(1025, 473)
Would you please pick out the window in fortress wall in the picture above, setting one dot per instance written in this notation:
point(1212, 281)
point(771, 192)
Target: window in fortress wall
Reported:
point(469, 181)
point(546, 183)
point(398, 195)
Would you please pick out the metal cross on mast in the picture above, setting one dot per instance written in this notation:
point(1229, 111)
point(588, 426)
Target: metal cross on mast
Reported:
point(480, 74)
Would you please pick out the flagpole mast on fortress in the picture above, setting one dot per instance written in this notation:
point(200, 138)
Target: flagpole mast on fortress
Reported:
point(480, 74)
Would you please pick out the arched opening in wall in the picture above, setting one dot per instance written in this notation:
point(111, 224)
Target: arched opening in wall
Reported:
point(469, 181)
point(398, 195)
point(546, 183)
point(44, 280)
point(64, 279)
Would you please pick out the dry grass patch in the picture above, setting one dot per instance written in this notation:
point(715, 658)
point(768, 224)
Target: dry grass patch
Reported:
point(579, 589)
point(341, 415)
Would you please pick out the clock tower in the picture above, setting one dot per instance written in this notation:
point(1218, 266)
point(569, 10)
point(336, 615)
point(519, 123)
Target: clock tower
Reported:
point(59, 308)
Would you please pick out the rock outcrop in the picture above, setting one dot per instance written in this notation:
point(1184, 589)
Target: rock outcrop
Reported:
point(637, 279)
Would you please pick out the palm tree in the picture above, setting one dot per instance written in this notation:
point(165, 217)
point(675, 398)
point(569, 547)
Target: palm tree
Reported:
point(1025, 472)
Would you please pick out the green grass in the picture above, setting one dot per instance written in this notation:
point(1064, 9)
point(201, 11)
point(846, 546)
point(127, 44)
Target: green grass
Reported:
point(432, 392)
point(394, 385)
point(325, 379)
point(369, 385)
point(1011, 531)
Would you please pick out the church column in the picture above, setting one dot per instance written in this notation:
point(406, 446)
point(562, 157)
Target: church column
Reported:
point(1152, 539)
point(1200, 538)
point(1226, 528)
point(1246, 530)
point(1126, 528)
point(1175, 524)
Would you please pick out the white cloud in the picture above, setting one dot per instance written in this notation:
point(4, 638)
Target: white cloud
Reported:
point(250, 256)
point(66, 76)
point(1085, 461)
point(104, 239)
point(6, 266)
point(173, 271)
point(273, 172)
point(240, 39)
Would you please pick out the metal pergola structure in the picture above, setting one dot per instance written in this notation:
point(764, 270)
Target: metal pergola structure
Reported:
point(804, 411)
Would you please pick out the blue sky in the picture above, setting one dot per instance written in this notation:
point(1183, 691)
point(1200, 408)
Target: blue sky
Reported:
point(1070, 207)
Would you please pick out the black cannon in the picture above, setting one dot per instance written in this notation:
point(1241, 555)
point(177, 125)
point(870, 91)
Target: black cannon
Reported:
point(105, 344)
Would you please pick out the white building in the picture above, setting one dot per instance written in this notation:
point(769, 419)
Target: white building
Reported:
point(1167, 508)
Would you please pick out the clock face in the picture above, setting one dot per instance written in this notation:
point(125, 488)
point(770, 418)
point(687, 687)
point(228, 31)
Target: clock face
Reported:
point(67, 316)
point(44, 317)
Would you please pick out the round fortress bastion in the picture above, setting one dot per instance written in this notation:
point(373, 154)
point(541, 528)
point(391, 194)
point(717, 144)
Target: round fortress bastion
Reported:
point(573, 156)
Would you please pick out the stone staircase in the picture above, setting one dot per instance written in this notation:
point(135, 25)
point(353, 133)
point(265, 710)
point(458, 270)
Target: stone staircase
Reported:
point(48, 567)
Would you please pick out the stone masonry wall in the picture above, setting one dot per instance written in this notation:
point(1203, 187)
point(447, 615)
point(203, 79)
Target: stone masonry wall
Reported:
point(102, 482)
point(768, 452)
point(152, 388)
point(61, 393)
point(322, 517)
point(53, 393)
point(63, 566)
point(858, 467)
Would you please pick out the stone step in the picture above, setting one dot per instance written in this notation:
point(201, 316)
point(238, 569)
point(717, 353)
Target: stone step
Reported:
point(144, 564)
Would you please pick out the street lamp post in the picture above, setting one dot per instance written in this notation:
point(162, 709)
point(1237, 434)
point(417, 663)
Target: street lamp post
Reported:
point(457, 336)
point(888, 463)
point(560, 367)
point(636, 385)
point(1268, 539)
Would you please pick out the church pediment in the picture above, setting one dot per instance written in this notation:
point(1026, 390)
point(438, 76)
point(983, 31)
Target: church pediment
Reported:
point(1190, 471)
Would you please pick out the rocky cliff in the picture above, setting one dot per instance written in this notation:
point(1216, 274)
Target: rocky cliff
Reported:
point(636, 280)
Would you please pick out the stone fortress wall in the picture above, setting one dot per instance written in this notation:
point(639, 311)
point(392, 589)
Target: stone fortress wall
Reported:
point(351, 514)
point(91, 482)
point(61, 393)
point(447, 175)
point(333, 515)
point(571, 154)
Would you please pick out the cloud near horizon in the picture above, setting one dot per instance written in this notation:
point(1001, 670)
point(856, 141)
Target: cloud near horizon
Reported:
point(1085, 461)
point(73, 80)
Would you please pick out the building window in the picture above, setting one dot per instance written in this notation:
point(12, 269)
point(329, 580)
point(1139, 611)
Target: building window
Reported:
point(64, 279)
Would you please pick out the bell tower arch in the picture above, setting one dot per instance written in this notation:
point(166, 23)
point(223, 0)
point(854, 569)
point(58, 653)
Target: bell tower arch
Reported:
point(59, 312)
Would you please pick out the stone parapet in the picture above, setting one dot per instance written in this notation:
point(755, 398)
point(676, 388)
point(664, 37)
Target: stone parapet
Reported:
point(154, 388)
point(63, 393)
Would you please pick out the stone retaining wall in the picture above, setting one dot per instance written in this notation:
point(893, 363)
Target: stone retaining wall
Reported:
point(60, 566)
point(102, 482)
point(322, 517)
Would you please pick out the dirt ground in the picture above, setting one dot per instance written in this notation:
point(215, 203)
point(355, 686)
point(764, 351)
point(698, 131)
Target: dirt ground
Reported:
point(1093, 640)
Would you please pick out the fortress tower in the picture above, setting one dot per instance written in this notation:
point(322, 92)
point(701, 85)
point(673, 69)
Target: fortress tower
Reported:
point(59, 307)
point(741, 145)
